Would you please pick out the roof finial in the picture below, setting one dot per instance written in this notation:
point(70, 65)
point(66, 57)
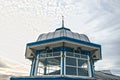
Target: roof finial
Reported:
point(63, 21)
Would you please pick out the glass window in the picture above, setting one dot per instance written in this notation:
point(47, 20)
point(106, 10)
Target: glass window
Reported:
point(48, 54)
point(49, 64)
point(53, 61)
point(40, 69)
point(82, 72)
point(56, 54)
point(69, 54)
point(76, 64)
point(70, 61)
point(82, 63)
point(42, 55)
point(84, 56)
point(53, 70)
point(77, 55)
point(83, 67)
point(71, 71)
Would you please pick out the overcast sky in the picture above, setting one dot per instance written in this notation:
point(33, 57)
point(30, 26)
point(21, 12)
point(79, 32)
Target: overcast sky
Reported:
point(21, 22)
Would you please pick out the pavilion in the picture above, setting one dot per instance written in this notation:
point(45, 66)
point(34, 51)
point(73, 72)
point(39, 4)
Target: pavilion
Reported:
point(62, 55)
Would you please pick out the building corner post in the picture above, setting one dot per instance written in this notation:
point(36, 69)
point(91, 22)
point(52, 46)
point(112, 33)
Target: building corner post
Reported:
point(63, 60)
point(34, 65)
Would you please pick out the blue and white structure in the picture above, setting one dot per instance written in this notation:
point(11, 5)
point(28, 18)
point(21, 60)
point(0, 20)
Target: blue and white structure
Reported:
point(62, 54)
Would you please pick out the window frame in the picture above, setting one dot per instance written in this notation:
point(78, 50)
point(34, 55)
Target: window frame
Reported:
point(63, 62)
point(48, 57)
point(88, 64)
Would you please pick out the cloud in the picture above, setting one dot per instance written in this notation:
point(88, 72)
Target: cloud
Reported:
point(2, 65)
point(4, 77)
point(22, 21)
point(11, 67)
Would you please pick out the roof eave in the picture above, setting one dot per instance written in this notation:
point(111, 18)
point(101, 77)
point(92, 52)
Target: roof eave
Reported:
point(66, 39)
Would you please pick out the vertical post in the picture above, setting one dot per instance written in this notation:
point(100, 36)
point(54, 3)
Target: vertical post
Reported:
point(34, 65)
point(92, 67)
point(91, 64)
point(45, 68)
point(63, 60)
point(62, 57)
point(31, 71)
point(37, 62)
point(61, 53)
point(89, 67)
point(65, 63)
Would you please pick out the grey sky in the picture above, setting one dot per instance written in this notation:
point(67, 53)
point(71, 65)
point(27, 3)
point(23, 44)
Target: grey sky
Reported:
point(22, 21)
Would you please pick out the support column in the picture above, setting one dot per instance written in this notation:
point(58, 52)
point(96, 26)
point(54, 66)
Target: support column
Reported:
point(63, 61)
point(31, 71)
point(92, 69)
point(45, 68)
point(91, 65)
point(34, 65)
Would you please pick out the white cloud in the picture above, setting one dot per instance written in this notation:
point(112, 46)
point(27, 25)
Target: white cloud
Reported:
point(22, 21)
